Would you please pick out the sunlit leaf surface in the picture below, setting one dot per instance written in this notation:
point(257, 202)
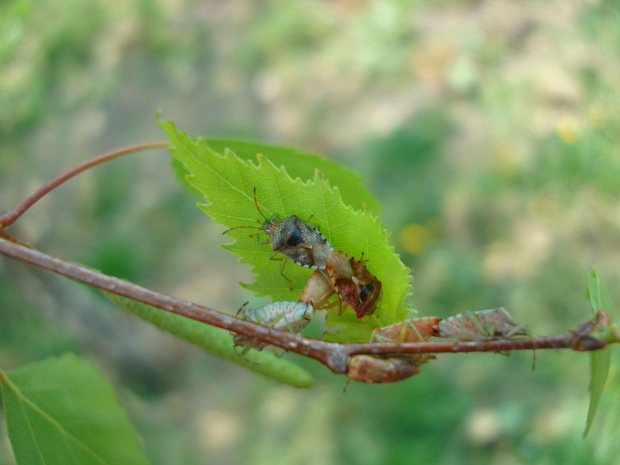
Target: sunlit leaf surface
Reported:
point(227, 183)
point(62, 411)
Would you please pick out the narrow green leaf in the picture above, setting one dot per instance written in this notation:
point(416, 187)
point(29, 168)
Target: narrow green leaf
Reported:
point(217, 341)
point(62, 411)
point(600, 360)
point(227, 183)
point(597, 294)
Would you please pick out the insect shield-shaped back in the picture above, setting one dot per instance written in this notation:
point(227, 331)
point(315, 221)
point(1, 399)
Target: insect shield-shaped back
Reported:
point(293, 238)
point(297, 241)
point(481, 324)
point(355, 284)
point(369, 369)
point(413, 330)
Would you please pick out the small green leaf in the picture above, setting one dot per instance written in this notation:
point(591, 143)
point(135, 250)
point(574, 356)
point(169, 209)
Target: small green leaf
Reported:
point(227, 183)
point(216, 341)
point(302, 165)
point(62, 411)
point(298, 164)
point(354, 329)
point(600, 360)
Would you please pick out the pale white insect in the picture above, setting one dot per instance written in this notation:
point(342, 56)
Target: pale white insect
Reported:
point(281, 316)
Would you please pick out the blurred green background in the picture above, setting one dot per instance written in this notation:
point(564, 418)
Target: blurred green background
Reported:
point(490, 131)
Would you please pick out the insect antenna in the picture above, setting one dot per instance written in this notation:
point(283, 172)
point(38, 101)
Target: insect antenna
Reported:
point(240, 227)
point(241, 308)
point(257, 207)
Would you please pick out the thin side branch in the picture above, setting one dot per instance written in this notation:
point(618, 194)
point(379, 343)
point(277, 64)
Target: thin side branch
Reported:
point(322, 351)
point(334, 356)
point(10, 217)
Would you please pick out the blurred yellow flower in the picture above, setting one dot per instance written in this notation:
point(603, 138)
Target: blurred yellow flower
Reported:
point(414, 238)
point(567, 128)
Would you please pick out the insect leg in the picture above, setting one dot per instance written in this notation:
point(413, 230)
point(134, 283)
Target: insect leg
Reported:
point(330, 305)
point(257, 236)
point(290, 281)
point(403, 332)
point(346, 385)
point(246, 347)
point(282, 265)
point(484, 329)
point(378, 338)
point(517, 331)
point(374, 337)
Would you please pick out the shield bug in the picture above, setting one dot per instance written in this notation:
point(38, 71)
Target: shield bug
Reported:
point(280, 316)
point(355, 284)
point(373, 369)
point(295, 239)
point(582, 339)
point(482, 324)
point(412, 330)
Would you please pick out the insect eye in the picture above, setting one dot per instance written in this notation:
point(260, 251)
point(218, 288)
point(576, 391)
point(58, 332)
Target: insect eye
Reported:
point(295, 238)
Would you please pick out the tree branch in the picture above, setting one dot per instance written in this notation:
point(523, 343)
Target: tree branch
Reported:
point(334, 356)
point(10, 217)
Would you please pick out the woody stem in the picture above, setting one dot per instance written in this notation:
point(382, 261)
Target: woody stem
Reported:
point(10, 217)
point(334, 356)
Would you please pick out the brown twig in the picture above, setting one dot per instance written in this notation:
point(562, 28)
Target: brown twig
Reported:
point(10, 217)
point(334, 356)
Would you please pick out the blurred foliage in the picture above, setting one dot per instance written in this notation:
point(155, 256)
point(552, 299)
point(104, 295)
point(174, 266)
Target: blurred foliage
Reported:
point(489, 130)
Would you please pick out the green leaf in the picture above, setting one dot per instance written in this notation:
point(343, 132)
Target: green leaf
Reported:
point(62, 411)
point(227, 183)
point(298, 164)
point(597, 294)
point(600, 360)
point(302, 165)
point(216, 341)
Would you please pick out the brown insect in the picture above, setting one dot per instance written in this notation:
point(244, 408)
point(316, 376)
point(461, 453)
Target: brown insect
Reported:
point(293, 238)
point(482, 324)
point(372, 369)
point(355, 285)
point(583, 340)
point(413, 330)
point(281, 316)
point(318, 290)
